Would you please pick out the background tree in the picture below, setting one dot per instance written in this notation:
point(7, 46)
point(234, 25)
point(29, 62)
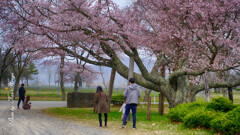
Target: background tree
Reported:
point(30, 70)
point(6, 59)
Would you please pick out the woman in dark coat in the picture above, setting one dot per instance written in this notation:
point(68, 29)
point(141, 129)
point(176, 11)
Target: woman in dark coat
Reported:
point(101, 105)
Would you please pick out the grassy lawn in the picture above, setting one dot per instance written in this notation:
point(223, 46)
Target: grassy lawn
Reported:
point(157, 125)
point(51, 94)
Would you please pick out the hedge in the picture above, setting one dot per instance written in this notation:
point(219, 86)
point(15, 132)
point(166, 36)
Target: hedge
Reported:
point(220, 114)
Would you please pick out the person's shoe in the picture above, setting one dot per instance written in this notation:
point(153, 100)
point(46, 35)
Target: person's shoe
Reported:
point(18, 108)
point(134, 128)
point(123, 126)
point(106, 126)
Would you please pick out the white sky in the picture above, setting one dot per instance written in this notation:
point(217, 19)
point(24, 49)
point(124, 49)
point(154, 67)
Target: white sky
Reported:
point(123, 3)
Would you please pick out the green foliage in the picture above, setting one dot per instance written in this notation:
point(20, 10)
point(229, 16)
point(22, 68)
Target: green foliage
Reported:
point(219, 115)
point(221, 104)
point(178, 113)
point(118, 99)
point(199, 117)
point(237, 89)
point(229, 123)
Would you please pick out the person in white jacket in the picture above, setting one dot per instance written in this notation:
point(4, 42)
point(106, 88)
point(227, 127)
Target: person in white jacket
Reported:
point(123, 109)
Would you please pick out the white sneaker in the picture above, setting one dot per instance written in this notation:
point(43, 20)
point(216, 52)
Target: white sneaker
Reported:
point(123, 126)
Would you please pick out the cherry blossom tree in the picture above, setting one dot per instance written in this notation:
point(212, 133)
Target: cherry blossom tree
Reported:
point(189, 38)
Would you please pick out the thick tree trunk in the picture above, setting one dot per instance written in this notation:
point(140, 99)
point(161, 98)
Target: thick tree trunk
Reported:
point(181, 93)
point(18, 77)
point(62, 78)
point(207, 98)
point(161, 95)
point(147, 95)
point(111, 84)
point(76, 82)
point(225, 92)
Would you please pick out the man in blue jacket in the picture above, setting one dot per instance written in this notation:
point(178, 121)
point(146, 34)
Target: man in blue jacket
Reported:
point(131, 93)
point(21, 94)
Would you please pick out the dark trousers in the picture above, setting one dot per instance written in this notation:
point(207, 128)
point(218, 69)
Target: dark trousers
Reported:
point(133, 107)
point(19, 100)
point(100, 119)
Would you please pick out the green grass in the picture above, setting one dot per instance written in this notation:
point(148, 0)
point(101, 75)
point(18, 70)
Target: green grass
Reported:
point(158, 124)
point(52, 94)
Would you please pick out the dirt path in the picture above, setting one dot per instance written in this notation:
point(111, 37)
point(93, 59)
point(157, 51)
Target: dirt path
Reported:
point(34, 122)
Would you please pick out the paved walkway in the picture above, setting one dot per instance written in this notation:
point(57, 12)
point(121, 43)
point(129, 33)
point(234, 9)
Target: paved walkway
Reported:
point(34, 122)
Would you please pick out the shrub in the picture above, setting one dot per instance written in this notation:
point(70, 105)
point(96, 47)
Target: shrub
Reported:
point(179, 112)
point(221, 104)
point(237, 89)
point(117, 99)
point(228, 123)
point(200, 117)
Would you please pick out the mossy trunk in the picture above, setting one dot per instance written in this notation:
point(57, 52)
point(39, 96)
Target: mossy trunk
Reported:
point(181, 93)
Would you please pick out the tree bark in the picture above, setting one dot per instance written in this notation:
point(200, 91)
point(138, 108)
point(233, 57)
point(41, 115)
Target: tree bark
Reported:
point(230, 94)
point(207, 98)
point(62, 78)
point(0, 80)
point(131, 69)
point(161, 95)
point(147, 95)
point(0, 67)
point(27, 80)
point(149, 108)
point(111, 84)
point(80, 81)
point(18, 77)
point(161, 104)
point(76, 82)
point(225, 92)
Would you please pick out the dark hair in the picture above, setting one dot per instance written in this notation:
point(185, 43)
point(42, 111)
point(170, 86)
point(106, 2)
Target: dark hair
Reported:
point(131, 80)
point(22, 84)
point(28, 98)
point(99, 90)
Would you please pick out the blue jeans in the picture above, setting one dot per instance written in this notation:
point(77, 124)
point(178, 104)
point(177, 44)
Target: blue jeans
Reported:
point(19, 100)
point(133, 107)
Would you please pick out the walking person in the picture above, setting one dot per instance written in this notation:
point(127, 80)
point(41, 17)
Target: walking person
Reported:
point(131, 93)
point(21, 95)
point(101, 105)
